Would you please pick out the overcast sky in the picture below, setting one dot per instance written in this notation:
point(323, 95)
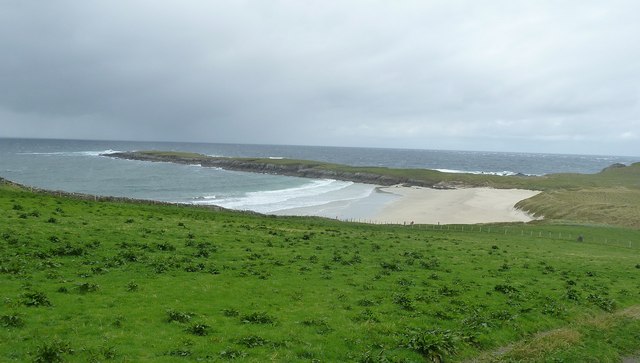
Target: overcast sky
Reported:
point(541, 76)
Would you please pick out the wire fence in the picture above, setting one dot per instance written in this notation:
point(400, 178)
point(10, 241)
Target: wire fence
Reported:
point(529, 231)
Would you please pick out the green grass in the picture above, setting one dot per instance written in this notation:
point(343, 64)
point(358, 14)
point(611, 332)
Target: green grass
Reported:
point(607, 205)
point(115, 281)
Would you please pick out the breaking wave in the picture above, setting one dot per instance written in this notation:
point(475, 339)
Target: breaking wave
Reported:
point(314, 193)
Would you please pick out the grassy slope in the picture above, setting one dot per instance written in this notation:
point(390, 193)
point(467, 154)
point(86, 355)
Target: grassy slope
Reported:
point(299, 289)
point(610, 197)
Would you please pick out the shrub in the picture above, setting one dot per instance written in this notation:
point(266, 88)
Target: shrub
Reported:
point(68, 250)
point(202, 253)
point(431, 264)
point(230, 312)
point(447, 291)
point(405, 282)
point(165, 246)
point(180, 352)
point(129, 256)
point(476, 321)
point(366, 316)
point(86, 287)
point(35, 299)
point(52, 352)
point(553, 308)
point(9, 237)
point(433, 345)
point(232, 354)
point(258, 318)
point(573, 294)
point(366, 302)
point(602, 302)
point(503, 315)
point(321, 325)
point(179, 316)
point(404, 301)
point(117, 322)
point(98, 270)
point(11, 321)
point(252, 341)
point(199, 329)
point(370, 357)
point(505, 289)
point(132, 286)
point(390, 266)
point(13, 266)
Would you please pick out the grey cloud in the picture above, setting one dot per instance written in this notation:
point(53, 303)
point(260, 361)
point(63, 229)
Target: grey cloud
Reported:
point(505, 75)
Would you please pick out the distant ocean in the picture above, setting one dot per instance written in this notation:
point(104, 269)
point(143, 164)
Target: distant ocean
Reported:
point(76, 166)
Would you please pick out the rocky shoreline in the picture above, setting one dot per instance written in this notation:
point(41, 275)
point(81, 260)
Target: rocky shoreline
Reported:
point(299, 169)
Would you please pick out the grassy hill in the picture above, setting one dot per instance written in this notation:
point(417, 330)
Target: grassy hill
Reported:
point(87, 280)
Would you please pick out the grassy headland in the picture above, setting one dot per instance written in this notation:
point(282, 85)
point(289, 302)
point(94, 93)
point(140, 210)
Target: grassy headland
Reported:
point(609, 197)
point(87, 280)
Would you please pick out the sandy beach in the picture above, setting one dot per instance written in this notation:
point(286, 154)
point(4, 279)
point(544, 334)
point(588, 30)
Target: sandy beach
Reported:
point(453, 206)
point(400, 204)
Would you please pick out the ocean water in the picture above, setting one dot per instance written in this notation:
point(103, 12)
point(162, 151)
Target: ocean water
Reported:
point(76, 166)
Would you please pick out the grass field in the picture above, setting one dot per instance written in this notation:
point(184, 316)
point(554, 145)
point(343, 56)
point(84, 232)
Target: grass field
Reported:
point(114, 281)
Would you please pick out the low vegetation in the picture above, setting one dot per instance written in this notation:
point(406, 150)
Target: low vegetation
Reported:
point(118, 281)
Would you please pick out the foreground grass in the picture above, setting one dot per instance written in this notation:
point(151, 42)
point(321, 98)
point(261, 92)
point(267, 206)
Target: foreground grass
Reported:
point(101, 281)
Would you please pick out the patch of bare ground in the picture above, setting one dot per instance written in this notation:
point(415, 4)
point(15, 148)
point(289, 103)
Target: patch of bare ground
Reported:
point(536, 347)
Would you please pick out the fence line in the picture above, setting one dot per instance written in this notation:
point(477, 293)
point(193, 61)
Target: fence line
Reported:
point(436, 227)
point(529, 231)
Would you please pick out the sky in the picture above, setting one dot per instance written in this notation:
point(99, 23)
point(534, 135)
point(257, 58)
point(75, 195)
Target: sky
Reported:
point(524, 76)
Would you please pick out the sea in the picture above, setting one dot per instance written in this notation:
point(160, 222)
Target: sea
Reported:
point(80, 166)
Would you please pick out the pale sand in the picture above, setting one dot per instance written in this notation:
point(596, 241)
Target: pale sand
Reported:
point(454, 206)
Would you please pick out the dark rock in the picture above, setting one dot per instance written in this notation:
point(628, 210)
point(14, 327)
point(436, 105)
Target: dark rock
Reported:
point(614, 166)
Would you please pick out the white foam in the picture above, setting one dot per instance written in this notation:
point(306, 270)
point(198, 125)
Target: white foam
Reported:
point(74, 153)
point(314, 193)
point(500, 173)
